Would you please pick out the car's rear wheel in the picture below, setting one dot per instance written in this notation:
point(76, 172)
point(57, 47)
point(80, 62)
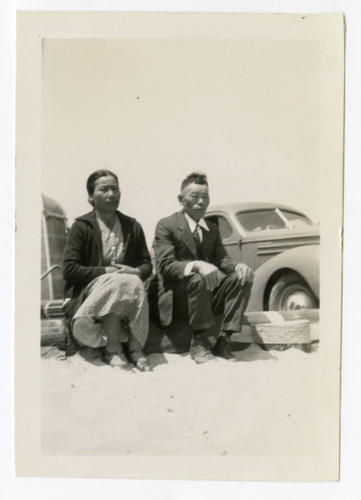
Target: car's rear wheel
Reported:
point(291, 292)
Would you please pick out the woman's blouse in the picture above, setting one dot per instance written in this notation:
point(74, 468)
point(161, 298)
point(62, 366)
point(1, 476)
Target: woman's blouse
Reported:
point(112, 242)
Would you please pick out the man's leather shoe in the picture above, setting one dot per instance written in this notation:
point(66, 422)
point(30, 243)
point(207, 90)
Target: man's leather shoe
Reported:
point(200, 351)
point(222, 349)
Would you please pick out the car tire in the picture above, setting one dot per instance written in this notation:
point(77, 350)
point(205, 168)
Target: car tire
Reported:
point(291, 292)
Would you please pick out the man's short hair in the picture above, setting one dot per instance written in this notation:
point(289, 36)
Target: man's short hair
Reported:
point(196, 178)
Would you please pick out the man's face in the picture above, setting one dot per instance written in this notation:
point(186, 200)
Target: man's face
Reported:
point(195, 200)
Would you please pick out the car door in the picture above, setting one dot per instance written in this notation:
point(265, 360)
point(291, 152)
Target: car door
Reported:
point(229, 234)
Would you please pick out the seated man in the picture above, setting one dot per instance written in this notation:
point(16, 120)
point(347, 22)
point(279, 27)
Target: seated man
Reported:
point(197, 275)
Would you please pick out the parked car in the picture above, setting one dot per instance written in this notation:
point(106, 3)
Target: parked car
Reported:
point(53, 238)
point(280, 244)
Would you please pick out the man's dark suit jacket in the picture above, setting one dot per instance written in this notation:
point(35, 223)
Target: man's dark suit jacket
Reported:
point(174, 248)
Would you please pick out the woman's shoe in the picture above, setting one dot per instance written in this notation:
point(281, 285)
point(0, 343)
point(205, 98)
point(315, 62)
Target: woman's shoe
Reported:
point(116, 359)
point(143, 365)
point(136, 355)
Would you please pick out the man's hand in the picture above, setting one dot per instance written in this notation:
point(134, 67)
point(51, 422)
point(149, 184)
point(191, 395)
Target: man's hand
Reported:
point(211, 274)
point(245, 273)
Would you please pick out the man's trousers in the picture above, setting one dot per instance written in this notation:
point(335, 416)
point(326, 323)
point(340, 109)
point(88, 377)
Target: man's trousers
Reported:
point(193, 303)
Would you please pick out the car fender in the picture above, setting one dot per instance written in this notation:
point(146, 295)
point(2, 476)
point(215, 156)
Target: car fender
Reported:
point(304, 260)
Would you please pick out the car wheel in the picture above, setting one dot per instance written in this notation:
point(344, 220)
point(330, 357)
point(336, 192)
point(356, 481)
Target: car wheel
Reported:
point(290, 293)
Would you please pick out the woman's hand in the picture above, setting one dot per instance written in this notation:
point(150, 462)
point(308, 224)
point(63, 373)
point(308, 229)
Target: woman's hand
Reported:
point(120, 268)
point(111, 269)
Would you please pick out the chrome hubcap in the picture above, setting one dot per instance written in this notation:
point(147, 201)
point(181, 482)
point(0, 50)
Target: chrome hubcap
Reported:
point(298, 300)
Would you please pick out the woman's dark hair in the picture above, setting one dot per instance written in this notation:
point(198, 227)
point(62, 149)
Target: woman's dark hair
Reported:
point(90, 183)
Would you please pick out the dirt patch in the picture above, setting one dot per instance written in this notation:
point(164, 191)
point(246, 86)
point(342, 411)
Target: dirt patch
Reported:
point(261, 403)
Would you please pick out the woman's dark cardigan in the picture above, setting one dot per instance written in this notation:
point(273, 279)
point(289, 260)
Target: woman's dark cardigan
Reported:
point(83, 256)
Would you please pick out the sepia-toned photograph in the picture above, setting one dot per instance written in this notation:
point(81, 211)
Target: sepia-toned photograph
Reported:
point(182, 174)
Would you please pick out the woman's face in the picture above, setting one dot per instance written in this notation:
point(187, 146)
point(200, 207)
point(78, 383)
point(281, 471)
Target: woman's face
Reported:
point(106, 194)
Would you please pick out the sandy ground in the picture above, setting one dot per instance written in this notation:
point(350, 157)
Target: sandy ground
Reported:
point(264, 403)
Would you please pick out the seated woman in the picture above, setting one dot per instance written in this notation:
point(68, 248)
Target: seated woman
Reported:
point(105, 263)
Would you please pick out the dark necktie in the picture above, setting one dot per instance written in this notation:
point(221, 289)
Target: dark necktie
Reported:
point(197, 241)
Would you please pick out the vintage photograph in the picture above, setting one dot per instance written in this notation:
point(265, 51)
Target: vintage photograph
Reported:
point(189, 205)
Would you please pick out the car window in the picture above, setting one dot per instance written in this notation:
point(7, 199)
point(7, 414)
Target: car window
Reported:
point(261, 220)
point(224, 227)
point(297, 219)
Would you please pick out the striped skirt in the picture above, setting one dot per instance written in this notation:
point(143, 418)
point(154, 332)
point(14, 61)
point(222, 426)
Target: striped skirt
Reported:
point(114, 293)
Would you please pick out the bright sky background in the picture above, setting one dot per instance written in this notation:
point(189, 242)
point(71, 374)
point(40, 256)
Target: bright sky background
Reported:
point(246, 112)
